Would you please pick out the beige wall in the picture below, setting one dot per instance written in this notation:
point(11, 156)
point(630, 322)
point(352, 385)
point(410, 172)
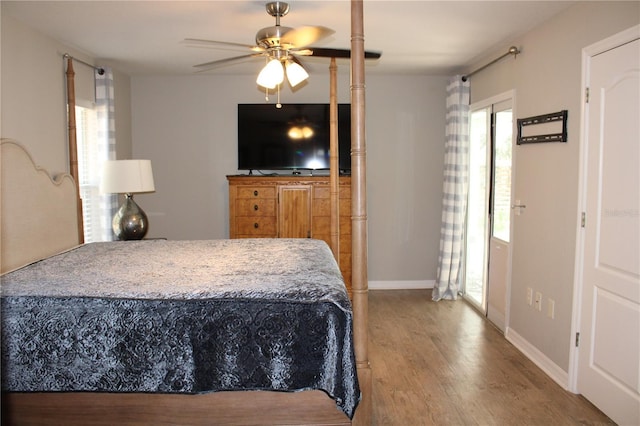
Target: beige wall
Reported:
point(405, 154)
point(187, 126)
point(33, 94)
point(546, 78)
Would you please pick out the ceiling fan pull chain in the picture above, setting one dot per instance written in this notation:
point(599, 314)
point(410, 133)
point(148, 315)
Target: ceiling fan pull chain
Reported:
point(266, 89)
point(278, 104)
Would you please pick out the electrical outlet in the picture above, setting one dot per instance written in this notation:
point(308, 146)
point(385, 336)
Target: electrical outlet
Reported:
point(551, 308)
point(539, 301)
point(529, 296)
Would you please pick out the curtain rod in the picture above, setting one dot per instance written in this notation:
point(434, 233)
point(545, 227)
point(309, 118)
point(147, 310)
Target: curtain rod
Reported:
point(99, 69)
point(512, 51)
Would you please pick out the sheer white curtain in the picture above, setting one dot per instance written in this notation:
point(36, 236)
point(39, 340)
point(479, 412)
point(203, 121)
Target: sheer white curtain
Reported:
point(96, 143)
point(455, 188)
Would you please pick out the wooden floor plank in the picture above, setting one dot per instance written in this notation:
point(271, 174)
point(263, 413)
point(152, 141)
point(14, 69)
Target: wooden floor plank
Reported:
point(444, 364)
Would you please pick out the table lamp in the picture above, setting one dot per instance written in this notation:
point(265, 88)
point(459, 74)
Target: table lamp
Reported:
point(128, 177)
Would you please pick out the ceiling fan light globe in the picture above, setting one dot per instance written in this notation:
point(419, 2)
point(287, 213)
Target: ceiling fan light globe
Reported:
point(295, 73)
point(271, 75)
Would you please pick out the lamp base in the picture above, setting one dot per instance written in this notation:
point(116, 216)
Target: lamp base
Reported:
point(130, 222)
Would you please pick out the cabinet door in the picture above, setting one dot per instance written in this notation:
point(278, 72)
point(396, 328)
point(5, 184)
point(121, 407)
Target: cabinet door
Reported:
point(294, 211)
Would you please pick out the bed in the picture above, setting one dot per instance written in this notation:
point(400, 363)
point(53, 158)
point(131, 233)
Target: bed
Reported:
point(255, 331)
point(181, 317)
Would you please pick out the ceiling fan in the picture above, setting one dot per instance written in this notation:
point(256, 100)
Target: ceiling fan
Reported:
point(280, 46)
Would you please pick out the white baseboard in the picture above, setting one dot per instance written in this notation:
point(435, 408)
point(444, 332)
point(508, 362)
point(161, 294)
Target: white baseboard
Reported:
point(556, 373)
point(496, 317)
point(401, 285)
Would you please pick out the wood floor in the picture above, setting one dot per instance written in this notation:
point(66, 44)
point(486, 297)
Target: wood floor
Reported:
point(444, 364)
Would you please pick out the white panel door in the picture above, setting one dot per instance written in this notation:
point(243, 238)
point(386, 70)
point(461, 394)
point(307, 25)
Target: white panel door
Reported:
point(609, 352)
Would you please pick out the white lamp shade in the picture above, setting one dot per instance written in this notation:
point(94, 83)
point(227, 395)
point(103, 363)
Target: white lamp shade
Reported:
point(295, 73)
point(127, 177)
point(271, 75)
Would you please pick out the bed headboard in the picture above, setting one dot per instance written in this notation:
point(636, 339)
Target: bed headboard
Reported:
point(38, 212)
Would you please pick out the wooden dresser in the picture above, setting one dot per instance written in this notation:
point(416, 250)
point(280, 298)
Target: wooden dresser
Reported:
point(290, 207)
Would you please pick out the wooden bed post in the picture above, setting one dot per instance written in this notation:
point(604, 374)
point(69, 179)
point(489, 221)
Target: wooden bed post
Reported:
point(334, 171)
point(360, 286)
point(73, 146)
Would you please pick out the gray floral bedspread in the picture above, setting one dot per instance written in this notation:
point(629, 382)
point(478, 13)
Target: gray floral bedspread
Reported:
point(181, 317)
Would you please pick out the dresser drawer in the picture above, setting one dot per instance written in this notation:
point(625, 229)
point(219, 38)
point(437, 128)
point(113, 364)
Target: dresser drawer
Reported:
point(254, 192)
point(256, 227)
point(255, 207)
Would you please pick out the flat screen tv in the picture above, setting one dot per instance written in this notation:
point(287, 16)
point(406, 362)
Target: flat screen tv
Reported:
point(294, 137)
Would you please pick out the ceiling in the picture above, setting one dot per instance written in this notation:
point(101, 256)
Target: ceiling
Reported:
point(415, 37)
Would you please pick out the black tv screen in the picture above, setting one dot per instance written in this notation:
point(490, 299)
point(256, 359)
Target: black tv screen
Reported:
point(294, 137)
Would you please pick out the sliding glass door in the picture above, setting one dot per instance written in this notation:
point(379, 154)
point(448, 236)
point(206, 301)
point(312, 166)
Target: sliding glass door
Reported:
point(477, 225)
point(488, 227)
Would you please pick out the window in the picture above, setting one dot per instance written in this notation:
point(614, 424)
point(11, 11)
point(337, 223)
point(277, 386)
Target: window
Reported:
point(95, 206)
point(502, 179)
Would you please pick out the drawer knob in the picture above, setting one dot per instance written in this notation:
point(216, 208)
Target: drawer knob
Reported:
point(255, 225)
point(255, 192)
point(255, 207)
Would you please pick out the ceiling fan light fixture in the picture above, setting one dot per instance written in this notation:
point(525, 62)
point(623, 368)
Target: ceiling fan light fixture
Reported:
point(271, 75)
point(296, 74)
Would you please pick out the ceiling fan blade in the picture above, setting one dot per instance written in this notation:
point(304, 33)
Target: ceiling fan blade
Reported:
point(196, 42)
point(209, 65)
point(304, 36)
point(324, 52)
point(302, 52)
